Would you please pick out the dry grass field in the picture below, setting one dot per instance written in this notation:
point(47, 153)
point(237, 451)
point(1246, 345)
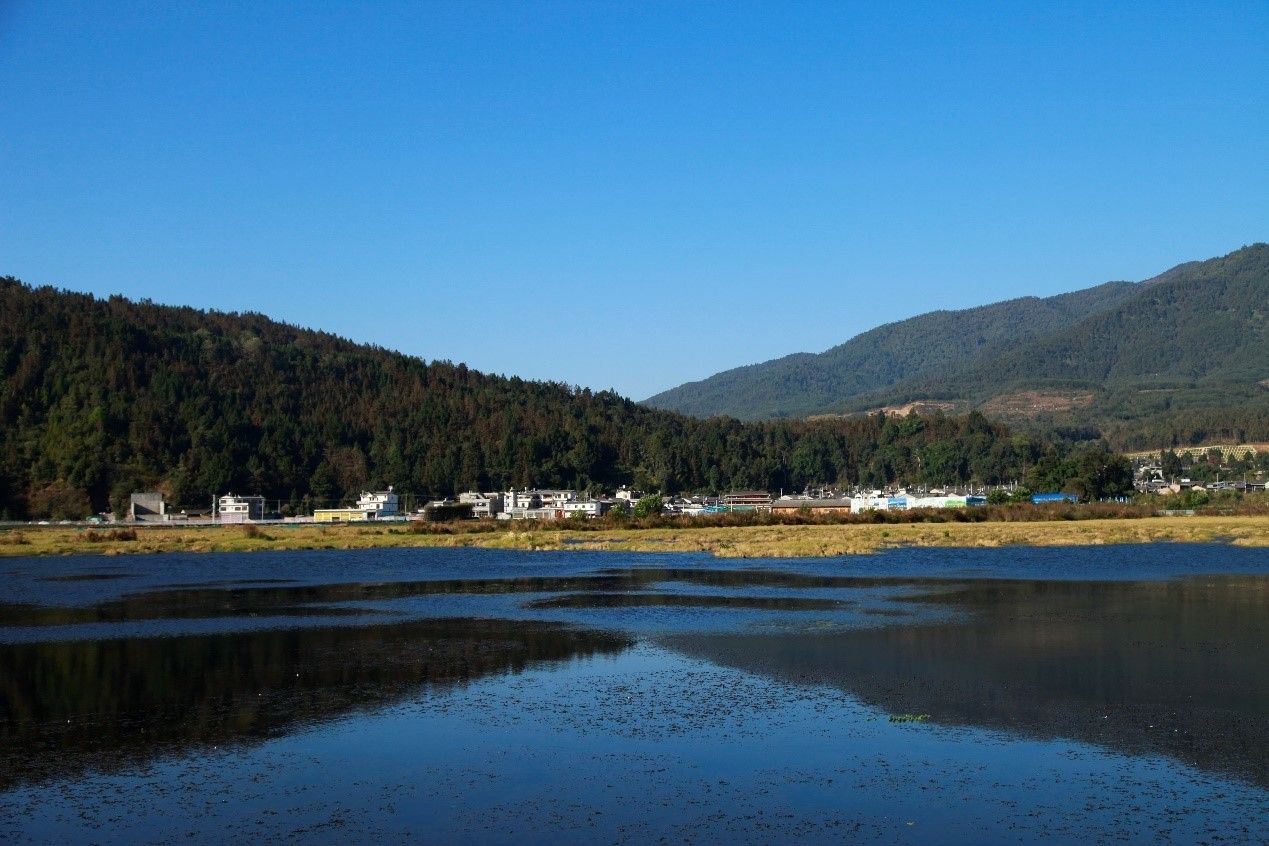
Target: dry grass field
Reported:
point(776, 541)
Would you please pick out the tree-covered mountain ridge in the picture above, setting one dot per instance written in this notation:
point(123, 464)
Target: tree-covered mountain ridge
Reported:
point(1166, 359)
point(809, 383)
point(102, 397)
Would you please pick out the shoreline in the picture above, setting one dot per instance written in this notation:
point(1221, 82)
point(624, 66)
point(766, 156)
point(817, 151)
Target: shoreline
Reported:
point(768, 541)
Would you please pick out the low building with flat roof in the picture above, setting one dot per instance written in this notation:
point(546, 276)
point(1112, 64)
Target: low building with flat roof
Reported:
point(587, 507)
point(746, 501)
point(814, 506)
point(341, 515)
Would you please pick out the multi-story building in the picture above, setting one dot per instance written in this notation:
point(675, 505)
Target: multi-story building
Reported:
point(371, 505)
point(378, 504)
point(483, 505)
point(239, 509)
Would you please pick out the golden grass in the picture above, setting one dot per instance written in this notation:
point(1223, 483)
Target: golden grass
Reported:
point(725, 542)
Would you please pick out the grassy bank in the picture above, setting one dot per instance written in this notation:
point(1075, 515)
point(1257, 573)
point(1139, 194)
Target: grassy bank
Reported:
point(738, 541)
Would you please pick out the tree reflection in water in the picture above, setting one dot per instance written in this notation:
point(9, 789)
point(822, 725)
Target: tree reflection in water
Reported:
point(1179, 668)
point(70, 705)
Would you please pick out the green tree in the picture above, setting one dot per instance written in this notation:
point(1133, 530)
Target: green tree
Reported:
point(1102, 474)
point(1170, 464)
point(649, 506)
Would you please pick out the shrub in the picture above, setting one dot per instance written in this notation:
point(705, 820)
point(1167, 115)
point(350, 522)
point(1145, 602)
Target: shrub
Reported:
point(111, 535)
point(60, 500)
point(251, 530)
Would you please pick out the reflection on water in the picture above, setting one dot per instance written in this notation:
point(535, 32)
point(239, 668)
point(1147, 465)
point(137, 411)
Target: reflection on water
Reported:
point(111, 681)
point(1177, 668)
point(66, 705)
point(279, 598)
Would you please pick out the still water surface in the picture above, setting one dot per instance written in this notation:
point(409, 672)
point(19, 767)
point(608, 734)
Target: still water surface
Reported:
point(915, 696)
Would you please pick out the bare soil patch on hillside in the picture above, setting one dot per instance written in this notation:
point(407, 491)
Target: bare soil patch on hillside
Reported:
point(1027, 404)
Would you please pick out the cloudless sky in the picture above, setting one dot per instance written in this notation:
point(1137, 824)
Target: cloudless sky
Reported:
point(623, 195)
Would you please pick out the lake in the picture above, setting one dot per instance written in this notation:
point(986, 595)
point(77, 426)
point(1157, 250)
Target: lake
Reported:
point(1064, 695)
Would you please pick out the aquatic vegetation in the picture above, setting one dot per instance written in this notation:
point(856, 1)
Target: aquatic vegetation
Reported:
point(909, 718)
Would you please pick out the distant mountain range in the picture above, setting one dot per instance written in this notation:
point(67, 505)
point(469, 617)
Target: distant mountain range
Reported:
point(1143, 363)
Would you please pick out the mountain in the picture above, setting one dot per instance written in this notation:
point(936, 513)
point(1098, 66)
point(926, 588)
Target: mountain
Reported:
point(102, 397)
point(803, 384)
point(1174, 357)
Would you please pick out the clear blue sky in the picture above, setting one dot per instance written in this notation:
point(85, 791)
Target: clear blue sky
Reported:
point(623, 195)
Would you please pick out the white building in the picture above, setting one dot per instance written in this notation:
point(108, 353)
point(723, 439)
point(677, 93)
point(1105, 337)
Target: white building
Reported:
point(555, 499)
point(483, 504)
point(937, 502)
point(544, 505)
point(629, 495)
point(538, 498)
point(586, 508)
point(521, 512)
point(379, 504)
point(239, 509)
point(868, 503)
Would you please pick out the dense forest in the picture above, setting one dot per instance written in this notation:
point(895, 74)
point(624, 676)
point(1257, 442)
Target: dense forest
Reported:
point(102, 397)
point(1182, 358)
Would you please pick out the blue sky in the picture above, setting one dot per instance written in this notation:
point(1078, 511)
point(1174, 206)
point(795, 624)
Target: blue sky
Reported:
point(623, 195)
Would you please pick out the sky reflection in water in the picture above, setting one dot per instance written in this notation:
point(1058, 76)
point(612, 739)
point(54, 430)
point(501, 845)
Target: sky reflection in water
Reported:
point(455, 694)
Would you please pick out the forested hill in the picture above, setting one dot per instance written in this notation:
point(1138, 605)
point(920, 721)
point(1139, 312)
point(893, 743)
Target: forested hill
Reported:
point(1177, 358)
point(803, 384)
point(101, 397)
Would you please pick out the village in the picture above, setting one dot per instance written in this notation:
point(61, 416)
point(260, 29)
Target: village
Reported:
point(560, 504)
point(563, 504)
point(555, 504)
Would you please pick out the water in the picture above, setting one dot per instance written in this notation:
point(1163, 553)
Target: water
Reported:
point(914, 696)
